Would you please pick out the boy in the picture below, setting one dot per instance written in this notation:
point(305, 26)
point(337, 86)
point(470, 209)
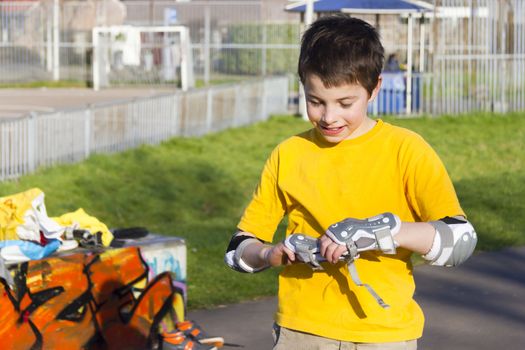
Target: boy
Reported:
point(386, 181)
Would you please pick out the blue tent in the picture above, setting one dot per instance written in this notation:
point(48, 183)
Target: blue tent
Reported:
point(361, 6)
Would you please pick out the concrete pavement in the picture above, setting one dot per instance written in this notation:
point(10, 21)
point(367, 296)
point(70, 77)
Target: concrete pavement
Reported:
point(479, 305)
point(15, 103)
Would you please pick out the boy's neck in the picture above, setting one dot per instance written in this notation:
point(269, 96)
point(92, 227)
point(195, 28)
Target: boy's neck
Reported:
point(367, 125)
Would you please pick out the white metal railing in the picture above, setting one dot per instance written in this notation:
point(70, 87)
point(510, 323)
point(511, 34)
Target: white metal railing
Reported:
point(470, 58)
point(67, 136)
point(479, 57)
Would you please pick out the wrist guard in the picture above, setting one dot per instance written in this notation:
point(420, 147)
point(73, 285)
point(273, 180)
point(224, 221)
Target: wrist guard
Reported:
point(306, 250)
point(375, 233)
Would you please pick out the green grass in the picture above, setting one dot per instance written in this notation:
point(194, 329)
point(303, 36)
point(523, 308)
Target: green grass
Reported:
point(46, 84)
point(200, 83)
point(84, 84)
point(484, 156)
point(196, 188)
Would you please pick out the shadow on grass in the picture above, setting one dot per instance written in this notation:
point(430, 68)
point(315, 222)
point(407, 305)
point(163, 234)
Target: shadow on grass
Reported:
point(495, 205)
point(191, 198)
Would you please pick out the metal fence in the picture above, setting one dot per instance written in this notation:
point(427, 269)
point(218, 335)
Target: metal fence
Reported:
point(471, 56)
point(229, 39)
point(41, 140)
point(22, 46)
point(478, 57)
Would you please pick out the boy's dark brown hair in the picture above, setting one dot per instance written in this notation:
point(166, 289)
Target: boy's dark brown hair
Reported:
point(340, 49)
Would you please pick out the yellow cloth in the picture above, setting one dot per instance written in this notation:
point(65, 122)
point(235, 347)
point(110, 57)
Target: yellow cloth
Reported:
point(388, 169)
point(14, 210)
point(23, 216)
point(87, 222)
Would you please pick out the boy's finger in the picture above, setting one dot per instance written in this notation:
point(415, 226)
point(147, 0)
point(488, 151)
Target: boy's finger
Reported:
point(323, 245)
point(287, 259)
point(289, 253)
point(339, 251)
point(329, 253)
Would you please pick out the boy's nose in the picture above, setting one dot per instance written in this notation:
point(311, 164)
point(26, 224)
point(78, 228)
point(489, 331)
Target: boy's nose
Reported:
point(329, 115)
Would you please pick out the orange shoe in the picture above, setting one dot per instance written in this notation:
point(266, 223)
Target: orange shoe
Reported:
point(179, 341)
point(193, 331)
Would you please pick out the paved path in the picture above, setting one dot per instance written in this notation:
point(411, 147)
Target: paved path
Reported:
point(479, 305)
point(19, 102)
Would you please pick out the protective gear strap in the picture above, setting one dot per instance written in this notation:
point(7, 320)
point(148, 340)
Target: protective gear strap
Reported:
point(353, 253)
point(454, 242)
point(235, 250)
point(237, 239)
point(355, 277)
point(385, 241)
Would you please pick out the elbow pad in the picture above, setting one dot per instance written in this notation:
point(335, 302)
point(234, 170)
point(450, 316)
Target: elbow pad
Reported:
point(233, 256)
point(454, 242)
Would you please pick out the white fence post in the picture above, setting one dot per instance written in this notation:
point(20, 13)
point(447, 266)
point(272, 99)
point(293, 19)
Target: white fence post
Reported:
point(56, 40)
point(264, 100)
point(207, 38)
point(87, 132)
point(209, 110)
point(31, 137)
point(264, 49)
point(49, 43)
point(409, 65)
point(95, 59)
point(237, 117)
point(175, 120)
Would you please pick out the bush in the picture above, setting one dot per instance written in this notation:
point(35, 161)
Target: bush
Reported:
point(248, 61)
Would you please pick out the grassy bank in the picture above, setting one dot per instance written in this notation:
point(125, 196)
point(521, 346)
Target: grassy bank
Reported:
point(45, 84)
point(197, 189)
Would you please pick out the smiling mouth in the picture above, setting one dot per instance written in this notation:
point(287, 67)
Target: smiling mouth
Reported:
point(331, 130)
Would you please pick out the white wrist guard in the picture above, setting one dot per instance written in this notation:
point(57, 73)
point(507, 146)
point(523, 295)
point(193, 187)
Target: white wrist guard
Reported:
point(235, 250)
point(306, 249)
point(375, 233)
point(454, 242)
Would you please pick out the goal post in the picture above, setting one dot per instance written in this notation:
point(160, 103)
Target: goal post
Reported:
point(131, 55)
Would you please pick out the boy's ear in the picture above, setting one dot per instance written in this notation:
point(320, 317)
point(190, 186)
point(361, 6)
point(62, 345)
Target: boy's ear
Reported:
point(376, 89)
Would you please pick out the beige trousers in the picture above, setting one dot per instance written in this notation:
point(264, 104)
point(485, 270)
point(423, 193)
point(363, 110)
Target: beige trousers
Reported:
point(288, 339)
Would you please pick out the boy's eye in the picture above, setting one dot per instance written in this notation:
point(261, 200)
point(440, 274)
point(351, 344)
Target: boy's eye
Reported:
point(314, 103)
point(346, 105)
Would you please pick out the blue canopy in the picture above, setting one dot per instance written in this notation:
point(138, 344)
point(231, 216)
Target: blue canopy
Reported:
point(361, 6)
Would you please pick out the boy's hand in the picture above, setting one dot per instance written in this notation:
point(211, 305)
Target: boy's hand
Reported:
point(331, 250)
point(278, 255)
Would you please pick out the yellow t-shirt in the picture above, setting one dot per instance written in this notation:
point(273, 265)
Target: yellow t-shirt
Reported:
point(314, 183)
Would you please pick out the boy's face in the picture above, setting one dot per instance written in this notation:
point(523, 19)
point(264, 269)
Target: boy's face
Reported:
point(339, 112)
